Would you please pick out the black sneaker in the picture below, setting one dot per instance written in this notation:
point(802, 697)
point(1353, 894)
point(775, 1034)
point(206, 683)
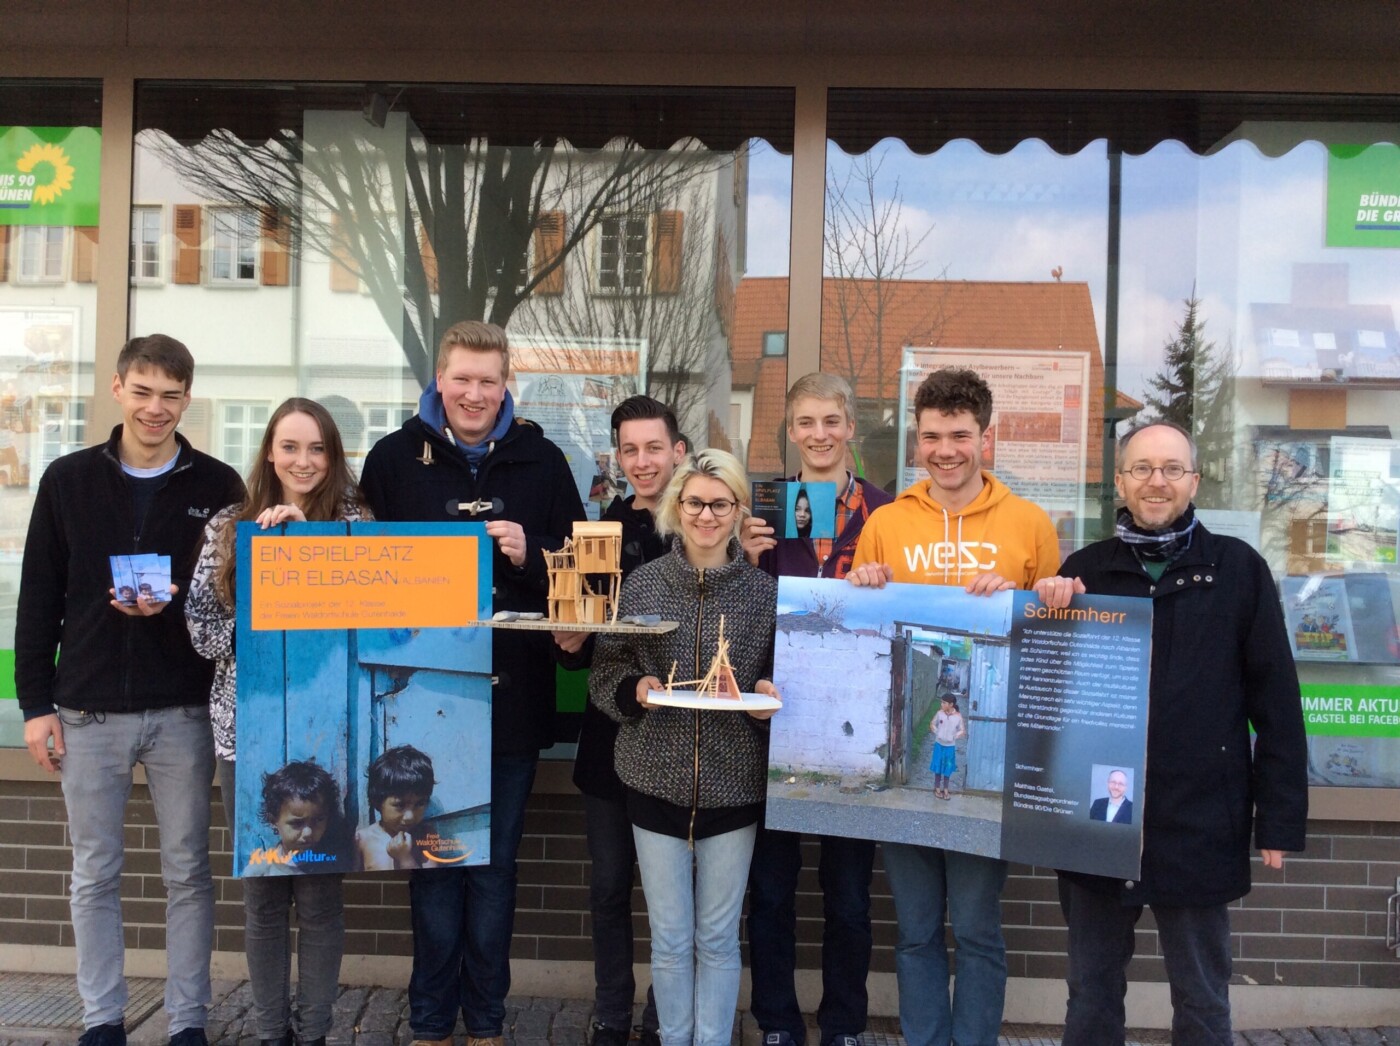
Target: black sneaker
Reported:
point(104, 1035)
point(606, 1035)
point(841, 1040)
point(189, 1037)
point(777, 1038)
point(647, 1036)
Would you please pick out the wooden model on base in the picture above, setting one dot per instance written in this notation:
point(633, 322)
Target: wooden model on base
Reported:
point(594, 550)
point(719, 681)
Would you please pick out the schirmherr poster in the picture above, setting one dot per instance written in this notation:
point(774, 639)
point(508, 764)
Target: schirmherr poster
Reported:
point(988, 725)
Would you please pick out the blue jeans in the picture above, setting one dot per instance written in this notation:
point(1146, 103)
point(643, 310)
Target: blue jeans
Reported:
point(923, 881)
point(693, 904)
point(612, 853)
point(1195, 945)
point(463, 919)
point(844, 874)
point(267, 940)
point(176, 747)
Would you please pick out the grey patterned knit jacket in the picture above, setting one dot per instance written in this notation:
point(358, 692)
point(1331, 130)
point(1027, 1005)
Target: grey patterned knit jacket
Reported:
point(701, 759)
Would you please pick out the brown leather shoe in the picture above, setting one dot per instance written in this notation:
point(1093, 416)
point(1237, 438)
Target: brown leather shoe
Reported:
point(433, 1042)
point(495, 1040)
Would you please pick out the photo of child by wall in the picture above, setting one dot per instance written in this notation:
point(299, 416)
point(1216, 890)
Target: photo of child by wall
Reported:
point(400, 786)
point(301, 803)
point(948, 728)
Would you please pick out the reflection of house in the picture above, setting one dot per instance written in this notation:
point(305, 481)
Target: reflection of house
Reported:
point(1320, 335)
point(964, 314)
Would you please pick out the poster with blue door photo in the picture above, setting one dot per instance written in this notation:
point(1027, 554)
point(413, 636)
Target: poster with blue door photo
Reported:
point(364, 699)
point(984, 724)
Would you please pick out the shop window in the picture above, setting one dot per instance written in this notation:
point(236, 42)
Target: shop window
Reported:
point(1109, 259)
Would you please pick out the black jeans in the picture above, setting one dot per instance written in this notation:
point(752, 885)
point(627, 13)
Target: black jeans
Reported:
point(844, 874)
point(1195, 946)
point(613, 855)
point(463, 919)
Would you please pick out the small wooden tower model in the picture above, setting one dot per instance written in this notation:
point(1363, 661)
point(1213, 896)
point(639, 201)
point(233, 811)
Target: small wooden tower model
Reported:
point(595, 549)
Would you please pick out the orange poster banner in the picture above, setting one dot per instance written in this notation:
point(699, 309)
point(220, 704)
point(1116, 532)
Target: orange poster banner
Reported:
point(363, 582)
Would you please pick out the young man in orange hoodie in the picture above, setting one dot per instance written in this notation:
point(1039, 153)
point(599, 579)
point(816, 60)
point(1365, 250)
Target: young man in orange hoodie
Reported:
point(961, 526)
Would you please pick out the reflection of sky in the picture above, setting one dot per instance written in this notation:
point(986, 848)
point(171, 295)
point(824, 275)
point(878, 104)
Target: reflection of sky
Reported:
point(770, 210)
point(875, 609)
point(1231, 225)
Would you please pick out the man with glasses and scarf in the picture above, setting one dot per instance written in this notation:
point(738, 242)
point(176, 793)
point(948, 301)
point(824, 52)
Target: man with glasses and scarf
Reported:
point(1221, 666)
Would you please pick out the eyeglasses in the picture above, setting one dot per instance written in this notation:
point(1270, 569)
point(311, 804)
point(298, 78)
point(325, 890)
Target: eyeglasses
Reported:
point(1142, 471)
point(719, 508)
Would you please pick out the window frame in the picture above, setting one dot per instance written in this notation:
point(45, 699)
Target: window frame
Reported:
point(247, 218)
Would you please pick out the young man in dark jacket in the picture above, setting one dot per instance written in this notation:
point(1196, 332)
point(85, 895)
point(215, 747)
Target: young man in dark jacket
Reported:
point(128, 686)
point(466, 456)
point(649, 447)
point(820, 422)
point(1221, 665)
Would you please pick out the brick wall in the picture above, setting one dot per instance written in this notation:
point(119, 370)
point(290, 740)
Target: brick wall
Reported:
point(1318, 922)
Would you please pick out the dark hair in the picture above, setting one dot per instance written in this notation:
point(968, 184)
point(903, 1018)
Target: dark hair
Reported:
point(397, 771)
point(952, 390)
point(303, 780)
point(160, 351)
point(951, 698)
point(644, 408)
point(330, 501)
point(803, 530)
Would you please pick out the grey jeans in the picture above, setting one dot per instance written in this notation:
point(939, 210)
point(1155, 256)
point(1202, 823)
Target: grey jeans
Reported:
point(267, 904)
point(177, 749)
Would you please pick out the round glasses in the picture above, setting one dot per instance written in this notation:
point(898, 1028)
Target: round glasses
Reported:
point(1142, 471)
point(719, 508)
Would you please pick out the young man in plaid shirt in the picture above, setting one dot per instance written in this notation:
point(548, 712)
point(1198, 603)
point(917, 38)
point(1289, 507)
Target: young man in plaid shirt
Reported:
point(820, 422)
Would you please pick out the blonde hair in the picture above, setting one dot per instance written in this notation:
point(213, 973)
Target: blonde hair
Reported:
point(820, 386)
point(709, 464)
point(478, 337)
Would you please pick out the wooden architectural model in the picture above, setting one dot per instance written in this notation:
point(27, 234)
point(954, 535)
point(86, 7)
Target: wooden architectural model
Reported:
point(595, 550)
point(719, 681)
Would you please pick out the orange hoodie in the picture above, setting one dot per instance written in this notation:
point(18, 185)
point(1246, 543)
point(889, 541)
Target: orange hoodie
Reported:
point(926, 544)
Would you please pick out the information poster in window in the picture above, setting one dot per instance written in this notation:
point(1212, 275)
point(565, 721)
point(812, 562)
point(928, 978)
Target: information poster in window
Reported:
point(569, 387)
point(1040, 420)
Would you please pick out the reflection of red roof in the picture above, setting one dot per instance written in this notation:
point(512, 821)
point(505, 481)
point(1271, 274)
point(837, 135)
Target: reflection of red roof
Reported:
point(961, 314)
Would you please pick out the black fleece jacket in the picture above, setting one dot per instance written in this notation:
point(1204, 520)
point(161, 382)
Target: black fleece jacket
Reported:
point(84, 513)
point(530, 479)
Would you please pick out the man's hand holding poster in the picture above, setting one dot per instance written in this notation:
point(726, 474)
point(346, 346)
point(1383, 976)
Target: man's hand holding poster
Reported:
point(988, 725)
point(364, 701)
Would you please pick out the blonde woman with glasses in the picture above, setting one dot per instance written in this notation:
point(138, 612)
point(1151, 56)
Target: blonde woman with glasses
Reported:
point(695, 779)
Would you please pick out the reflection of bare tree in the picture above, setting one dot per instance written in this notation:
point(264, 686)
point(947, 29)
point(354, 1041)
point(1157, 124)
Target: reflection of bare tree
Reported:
point(462, 216)
point(869, 249)
point(1291, 488)
point(678, 303)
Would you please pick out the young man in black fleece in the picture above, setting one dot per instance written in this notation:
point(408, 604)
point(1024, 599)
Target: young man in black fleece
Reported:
point(649, 447)
point(128, 686)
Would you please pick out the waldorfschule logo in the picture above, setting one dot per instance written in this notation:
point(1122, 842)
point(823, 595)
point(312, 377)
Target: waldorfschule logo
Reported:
point(60, 171)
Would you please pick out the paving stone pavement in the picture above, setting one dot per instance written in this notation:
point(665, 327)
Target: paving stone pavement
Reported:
point(379, 1017)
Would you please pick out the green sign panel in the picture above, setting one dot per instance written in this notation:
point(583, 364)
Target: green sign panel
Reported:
point(49, 175)
point(1343, 710)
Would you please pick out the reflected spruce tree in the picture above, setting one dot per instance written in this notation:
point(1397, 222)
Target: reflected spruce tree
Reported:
point(1194, 388)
